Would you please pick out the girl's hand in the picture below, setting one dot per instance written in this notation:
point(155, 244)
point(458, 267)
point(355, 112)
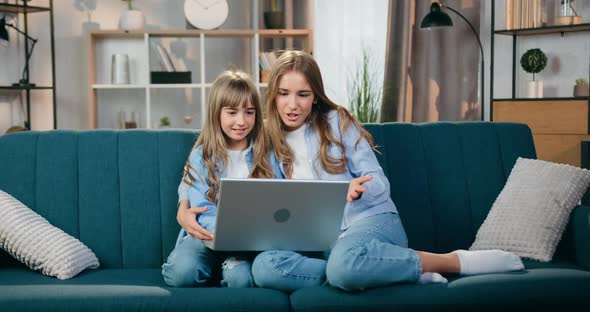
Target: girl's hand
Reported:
point(187, 218)
point(356, 188)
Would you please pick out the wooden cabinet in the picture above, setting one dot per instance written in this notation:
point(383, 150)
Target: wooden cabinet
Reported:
point(559, 126)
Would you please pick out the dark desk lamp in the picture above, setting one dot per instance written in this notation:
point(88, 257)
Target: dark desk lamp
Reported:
point(24, 81)
point(438, 18)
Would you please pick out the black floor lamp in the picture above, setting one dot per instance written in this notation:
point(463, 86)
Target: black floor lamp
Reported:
point(24, 81)
point(438, 18)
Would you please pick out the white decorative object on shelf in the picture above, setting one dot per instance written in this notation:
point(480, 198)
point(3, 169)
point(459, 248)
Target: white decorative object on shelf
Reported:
point(120, 69)
point(535, 89)
point(131, 19)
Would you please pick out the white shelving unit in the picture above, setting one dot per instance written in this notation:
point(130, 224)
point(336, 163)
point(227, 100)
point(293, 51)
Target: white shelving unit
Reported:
point(136, 44)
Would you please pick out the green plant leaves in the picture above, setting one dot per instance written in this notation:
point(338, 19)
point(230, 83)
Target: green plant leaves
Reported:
point(364, 93)
point(533, 61)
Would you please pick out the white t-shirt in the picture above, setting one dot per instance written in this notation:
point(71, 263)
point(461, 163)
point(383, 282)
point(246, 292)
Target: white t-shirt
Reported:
point(302, 164)
point(237, 167)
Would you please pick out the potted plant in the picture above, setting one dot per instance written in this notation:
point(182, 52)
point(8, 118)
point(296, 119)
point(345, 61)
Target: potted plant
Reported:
point(131, 19)
point(581, 88)
point(274, 19)
point(364, 93)
point(164, 122)
point(533, 61)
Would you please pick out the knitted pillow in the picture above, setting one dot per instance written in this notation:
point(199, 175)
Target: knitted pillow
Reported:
point(32, 240)
point(530, 214)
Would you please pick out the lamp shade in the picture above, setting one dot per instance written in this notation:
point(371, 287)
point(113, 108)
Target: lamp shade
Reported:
point(436, 17)
point(3, 30)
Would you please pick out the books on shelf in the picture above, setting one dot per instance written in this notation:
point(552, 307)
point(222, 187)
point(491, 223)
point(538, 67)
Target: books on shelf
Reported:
point(520, 14)
point(267, 60)
point(166, 62)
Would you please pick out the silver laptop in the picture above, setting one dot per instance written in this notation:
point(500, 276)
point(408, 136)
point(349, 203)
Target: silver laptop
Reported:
point(266, 214)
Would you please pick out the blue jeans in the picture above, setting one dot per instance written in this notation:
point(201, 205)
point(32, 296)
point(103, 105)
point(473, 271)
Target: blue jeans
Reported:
point(370, 253)
point(191, 263)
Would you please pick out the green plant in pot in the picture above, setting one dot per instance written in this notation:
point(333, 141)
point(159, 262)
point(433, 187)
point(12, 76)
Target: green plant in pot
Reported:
point(533, 61)
point(164, 122)
point(274, 19)
point(365, 94)
point(581, 88)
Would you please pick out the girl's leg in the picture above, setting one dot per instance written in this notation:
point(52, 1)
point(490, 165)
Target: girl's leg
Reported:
point(236, 272)
point(467, 262)
point(373, 252)
point(287, 270)
point(189, 264)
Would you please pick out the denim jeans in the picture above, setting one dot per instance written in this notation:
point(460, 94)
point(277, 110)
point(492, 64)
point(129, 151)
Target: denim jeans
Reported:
point(372, 252)
point(191, 263)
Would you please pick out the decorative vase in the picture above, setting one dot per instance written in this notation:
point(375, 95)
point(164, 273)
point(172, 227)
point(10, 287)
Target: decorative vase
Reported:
point(274, 20)
point(535, 89)
point(581, 91)
point(131, 20)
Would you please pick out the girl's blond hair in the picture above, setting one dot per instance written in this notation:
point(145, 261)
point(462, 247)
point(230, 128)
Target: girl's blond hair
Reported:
point(233, 88)
point(304, 63)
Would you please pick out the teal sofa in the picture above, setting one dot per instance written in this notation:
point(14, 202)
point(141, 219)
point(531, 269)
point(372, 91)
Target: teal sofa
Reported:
point(116, 192)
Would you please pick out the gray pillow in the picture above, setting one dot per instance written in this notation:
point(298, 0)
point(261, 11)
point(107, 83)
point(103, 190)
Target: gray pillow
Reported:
point(530, 214)
point(32, 240)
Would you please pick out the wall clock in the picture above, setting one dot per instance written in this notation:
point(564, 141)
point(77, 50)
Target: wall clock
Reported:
point(206, 14)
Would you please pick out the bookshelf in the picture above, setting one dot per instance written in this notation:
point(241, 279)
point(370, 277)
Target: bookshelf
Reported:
point(208, 52)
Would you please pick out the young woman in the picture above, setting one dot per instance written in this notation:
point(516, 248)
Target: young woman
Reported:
point(232, 144)
point(314, 138)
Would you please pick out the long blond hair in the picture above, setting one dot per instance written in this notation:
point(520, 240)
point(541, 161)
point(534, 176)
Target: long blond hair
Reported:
point(233, 88)
point(302, 62)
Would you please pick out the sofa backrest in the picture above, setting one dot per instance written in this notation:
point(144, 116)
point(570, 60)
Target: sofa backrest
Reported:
point(114, 190)
point(117, 190)
point(445, 176)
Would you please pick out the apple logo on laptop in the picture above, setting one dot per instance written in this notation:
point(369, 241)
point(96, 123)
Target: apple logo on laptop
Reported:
point(282, 215)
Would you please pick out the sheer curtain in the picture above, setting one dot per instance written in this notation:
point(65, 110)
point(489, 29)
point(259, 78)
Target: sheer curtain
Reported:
point(431, 75)
point(342, 29)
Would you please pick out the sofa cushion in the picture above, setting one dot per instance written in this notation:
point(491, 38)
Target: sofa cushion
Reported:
point(125, 290)
point(531, 213)
point(562, 284)
point(41, 246)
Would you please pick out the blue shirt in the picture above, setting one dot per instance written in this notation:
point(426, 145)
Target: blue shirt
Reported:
point(361, 161)
point(197, 194)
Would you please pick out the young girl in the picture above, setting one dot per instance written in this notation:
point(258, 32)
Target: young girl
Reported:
point(314, 138)
point(232, 144)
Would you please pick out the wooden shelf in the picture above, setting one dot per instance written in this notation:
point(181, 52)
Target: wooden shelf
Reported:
point(267, 33)
point(19, 8)
point(554, 29)
point(552, 99)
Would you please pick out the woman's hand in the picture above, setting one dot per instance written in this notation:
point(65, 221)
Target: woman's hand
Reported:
point(187, 218)
point(356, 188)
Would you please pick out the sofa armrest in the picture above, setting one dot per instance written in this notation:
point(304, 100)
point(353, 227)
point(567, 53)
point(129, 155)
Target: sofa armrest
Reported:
point(580, 220)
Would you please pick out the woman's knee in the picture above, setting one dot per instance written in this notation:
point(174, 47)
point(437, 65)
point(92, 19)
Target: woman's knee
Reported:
point(264, 269)
point(340, 270)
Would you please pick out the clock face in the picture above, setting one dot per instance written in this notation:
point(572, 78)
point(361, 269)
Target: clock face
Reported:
point(206, 14)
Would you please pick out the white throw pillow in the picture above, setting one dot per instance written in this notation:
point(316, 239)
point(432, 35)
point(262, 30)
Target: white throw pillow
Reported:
point(530, 214)
point(32, 240)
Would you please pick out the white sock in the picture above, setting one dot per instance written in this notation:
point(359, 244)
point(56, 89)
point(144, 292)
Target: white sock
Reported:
point(432, 277)
point(488, 261)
